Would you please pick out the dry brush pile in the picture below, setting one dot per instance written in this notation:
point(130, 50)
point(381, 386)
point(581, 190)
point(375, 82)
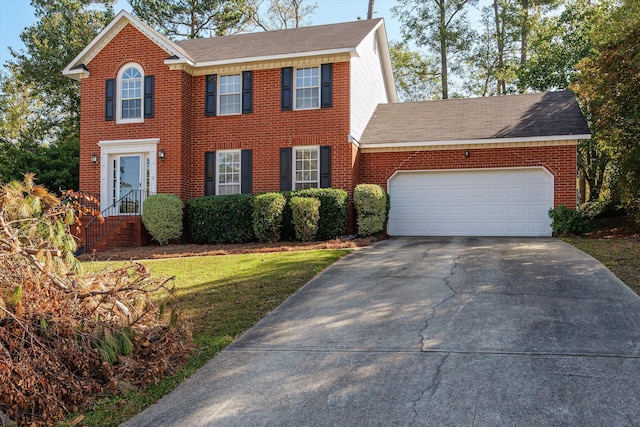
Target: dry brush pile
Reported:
point(67, 338)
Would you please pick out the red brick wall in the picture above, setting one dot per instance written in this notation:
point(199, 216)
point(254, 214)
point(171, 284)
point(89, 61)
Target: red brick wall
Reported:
point(131, 46)
point(378, 167)
point(186, 134)
point(268, 129)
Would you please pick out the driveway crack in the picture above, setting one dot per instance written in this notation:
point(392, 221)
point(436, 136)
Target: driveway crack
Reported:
point(452, 293)
point(431, 390)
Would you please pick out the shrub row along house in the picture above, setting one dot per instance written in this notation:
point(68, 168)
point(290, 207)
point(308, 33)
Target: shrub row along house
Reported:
point(314, 107)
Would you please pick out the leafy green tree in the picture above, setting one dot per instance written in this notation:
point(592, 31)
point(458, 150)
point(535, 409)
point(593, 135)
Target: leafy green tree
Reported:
point(559, 42)
point(442, 27)
point(608, 87)
point(40, 108)
point(180, 19)
point(416, 76)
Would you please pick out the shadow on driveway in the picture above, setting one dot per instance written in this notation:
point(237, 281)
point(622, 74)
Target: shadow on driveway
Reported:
point(431, 332)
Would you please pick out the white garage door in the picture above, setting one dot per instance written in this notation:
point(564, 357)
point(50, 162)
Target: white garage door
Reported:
point(487, 202)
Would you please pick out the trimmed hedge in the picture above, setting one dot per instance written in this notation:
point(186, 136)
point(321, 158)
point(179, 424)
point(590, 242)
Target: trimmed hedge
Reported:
point(306, 215)
point(370, 202)
point(267, 216)
point(221, 219)
point(333, 210)
point(162, 217)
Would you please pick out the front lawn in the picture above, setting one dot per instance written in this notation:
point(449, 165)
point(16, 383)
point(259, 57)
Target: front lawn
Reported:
point(621, 256)
point(221, 297)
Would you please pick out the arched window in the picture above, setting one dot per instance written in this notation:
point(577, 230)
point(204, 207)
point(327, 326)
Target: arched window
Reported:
point(130, 105)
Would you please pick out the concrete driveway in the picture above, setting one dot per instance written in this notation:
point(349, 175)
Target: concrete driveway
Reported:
point(432, 332)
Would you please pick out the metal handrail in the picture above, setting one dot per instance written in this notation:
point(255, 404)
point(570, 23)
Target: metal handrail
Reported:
point(127, 206)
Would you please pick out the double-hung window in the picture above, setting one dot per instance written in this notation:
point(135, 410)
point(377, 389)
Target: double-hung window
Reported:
point(230, 95)
point(228, 172)
point(307, 88)
point(306, 168)
point(129, 97)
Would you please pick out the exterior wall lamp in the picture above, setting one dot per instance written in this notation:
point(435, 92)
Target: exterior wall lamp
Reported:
point(161, 154)
point(467, 154)
point(94, 159)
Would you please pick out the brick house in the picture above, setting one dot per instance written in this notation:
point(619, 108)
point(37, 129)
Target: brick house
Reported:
point(291, 109)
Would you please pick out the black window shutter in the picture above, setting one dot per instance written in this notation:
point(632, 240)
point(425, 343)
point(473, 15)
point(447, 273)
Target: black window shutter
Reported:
point(245, 172)
point(285, 169)
point(247, 92)
point(326, 75)
point(210, 95)
point(148, 96)
point(209, 173)
point(287, 89)
point(325, 166)
point(109, 104)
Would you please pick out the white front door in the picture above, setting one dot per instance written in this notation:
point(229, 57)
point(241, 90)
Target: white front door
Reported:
point(128, 173)
point(129, 177)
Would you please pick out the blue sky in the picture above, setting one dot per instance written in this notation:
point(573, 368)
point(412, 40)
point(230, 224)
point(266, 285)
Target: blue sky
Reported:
point(15, 15)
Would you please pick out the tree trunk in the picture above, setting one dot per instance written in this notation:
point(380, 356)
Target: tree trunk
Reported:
point(443, 49)
point(502, 85)
point(370, 10)
point(524, 35)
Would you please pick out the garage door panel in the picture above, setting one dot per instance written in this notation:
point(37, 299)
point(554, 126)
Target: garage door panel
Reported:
point(495, 202)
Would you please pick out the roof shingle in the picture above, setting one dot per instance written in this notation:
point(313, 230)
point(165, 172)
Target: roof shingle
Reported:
point(345, 35)
point(496, 117)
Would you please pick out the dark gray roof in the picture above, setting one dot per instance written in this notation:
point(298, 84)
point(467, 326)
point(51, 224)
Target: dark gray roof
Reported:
point(513, 116)
point(281, 42)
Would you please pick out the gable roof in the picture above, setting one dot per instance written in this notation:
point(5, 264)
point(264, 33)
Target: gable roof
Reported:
point(261, 46)
point(77, 68)
point(321, 39)
point(511, 118)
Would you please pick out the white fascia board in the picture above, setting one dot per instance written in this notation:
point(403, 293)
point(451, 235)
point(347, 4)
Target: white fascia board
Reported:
point(109, 32)
point(477, 141)
point(383, 46)
point(351, 51)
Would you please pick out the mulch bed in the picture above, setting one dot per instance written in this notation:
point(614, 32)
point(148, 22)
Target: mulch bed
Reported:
point(190, 250)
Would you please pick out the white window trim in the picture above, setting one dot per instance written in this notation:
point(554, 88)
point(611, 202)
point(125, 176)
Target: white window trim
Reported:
point(295, 88)
point(118, 94)
point(219, 95)
point(218, 152)
point(119, 147)
point(293, 162)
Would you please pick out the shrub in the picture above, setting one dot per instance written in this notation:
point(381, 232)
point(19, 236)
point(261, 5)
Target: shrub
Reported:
point(220, 219)
point(306, 215)
point(565, 220)
point(267, 216)
point(287, 232)
point(370, 202)
point(333, 210)
point(162, 217)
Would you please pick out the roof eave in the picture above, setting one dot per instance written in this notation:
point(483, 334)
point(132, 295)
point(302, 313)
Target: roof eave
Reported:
point(475, 141)
point(232, 61)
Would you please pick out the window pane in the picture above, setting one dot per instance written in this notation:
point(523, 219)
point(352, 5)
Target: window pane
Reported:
point(230, 96)
point(229, 172)
point(131, 94)
point(306, 168)
point(307, 88)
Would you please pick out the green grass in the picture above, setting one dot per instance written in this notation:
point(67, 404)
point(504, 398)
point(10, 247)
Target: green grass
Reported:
point(221, 296)
point(621, 256)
